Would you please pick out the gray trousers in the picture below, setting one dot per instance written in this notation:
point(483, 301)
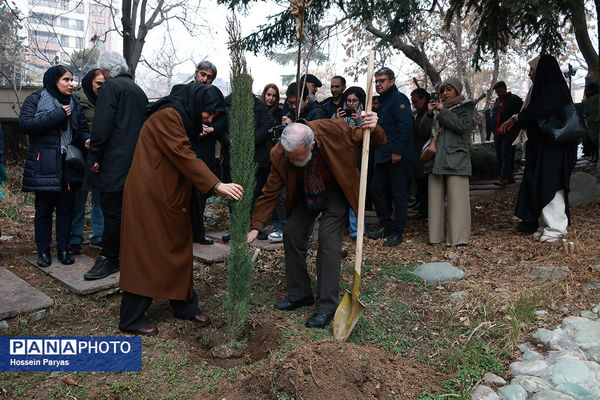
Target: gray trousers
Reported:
point(295, 239)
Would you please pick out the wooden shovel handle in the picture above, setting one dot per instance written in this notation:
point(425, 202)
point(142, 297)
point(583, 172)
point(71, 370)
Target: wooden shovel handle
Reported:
point(364, 166)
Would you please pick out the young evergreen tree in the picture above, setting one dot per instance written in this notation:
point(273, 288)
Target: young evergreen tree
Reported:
point(243, 171)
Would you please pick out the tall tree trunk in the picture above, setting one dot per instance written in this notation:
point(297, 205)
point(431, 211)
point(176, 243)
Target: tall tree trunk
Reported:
point(460, 58)
point(582, 36)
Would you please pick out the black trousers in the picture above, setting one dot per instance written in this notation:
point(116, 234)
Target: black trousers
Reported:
point(422, 195)
point(262, 173)
point(112, 206)
point(133, 307)
point(505, 154)
point(45, 204)
point(197, 214)
point(390, 196)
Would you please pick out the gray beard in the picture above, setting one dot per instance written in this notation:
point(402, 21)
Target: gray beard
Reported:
point(303, 163)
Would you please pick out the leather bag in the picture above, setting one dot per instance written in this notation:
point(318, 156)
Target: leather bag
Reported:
point(74, 158)
point(429, 149)
point(566, 126)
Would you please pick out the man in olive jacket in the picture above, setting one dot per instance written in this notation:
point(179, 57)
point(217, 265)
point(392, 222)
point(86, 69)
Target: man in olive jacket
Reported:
point(120, 114)
point(316, 164)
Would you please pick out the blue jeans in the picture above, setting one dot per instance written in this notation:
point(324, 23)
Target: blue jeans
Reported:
point(353, 228)
point(78, 223)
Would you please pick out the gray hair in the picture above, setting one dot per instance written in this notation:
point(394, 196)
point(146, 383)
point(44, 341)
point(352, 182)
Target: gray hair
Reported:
point(385, 71)
point(296, 135)
point(113, 63)
point(207, 65)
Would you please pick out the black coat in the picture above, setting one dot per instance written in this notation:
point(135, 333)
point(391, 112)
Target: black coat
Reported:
point(512, 105)
point(204, 146)
point(120, 114)
point(311, 112)
point(548, 165)
point(45, 169)
point(418, 166)
point(329, 107)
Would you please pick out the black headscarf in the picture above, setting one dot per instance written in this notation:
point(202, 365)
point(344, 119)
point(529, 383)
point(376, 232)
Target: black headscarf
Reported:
point(51, 76)
point(190, 101)
point(358, 92)
point(86, 84)
point(548, 73)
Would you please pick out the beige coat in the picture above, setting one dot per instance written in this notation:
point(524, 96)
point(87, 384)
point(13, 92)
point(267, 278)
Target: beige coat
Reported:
point(156, 229)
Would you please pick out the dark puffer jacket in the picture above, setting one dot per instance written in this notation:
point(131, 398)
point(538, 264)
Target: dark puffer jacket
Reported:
point(45, 169)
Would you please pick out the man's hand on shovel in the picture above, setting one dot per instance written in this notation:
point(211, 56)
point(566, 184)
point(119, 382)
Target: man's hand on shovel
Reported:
point(369, 119)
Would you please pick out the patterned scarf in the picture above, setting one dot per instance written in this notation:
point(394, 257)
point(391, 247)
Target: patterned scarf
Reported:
point(314, 187)
point(47, 104)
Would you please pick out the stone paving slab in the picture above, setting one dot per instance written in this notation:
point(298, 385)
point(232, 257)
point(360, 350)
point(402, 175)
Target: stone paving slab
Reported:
point(211, 253)
point(18, 296)
point(261, 244)
point(72, 275)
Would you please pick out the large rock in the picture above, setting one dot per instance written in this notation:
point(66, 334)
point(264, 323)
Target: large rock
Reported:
point(551, 395)
point(585, 332)
point(570, 370)
point(513, 392)
point(532, 384)
point(493, 379)
point(534, 367)
point(439, 272)
point(17, 296)
point(550, 272)
point(576, 391)
point(484, 393)
point(583, 189)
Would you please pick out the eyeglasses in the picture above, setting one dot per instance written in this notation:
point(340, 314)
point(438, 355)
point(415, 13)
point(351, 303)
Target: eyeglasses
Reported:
point(380, 81)
point(352, 101)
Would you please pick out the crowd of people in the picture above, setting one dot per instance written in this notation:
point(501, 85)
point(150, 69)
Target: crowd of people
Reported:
point(151, 166)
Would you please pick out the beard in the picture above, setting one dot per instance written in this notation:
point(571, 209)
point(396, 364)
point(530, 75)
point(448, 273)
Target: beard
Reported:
point(303, 163)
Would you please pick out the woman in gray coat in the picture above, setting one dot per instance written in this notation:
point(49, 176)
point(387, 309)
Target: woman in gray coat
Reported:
point(450, 121)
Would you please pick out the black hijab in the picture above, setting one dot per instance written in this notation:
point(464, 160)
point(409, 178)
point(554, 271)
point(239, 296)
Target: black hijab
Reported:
point(548, 73)
point(86, 84)
point(358, 92)
point(51, 77)
point(190, 101)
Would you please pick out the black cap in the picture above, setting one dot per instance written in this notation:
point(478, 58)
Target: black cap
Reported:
point(312, 79)
point(499, 84)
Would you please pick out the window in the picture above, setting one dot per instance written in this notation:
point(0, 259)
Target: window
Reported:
point(64, 41)
point(41, 18)
point(44, 37)
point(97, 10)
point(64, 22)
point(79, 24)
point(98, 28)
point(79, 43)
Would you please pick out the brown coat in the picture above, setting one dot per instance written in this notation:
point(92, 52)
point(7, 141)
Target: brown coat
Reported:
point(156, 229)
point(338, 144)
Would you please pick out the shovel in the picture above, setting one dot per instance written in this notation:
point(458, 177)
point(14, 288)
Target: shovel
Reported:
point(351, 308)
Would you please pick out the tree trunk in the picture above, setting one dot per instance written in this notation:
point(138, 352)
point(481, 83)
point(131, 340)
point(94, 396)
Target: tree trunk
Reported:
point(460, 58)
point(582, 37)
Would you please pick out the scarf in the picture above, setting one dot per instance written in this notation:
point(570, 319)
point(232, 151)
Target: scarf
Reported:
point(450, 104)
point(522, 137)
point(314, 186)
point(86, 84)
point(49, 103)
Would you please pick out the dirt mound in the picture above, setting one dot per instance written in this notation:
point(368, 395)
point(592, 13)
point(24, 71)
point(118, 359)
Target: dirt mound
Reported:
point(332, 370)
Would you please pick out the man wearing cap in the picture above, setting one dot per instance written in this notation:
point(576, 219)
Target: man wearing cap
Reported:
point(506, 105)
point(313, 83)
point(316, 165)
point(392, 162)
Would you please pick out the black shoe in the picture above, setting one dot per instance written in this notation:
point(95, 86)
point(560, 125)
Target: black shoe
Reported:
point(393, 240)
point(527, 227)
point(102, 268)
point(205, 240)
point(378, 234)
point(353, 238)
point(319, 320)
point(289, 305)
point(226, 237)
point(75, 249)
point(44, 259)
point(418, 215)
point(262, 236)
point(64, 257)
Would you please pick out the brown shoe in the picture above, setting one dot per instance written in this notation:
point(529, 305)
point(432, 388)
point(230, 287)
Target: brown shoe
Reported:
point(500, 182)
point(201, 320)
point(147, 330)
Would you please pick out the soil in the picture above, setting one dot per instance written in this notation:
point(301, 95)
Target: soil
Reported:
point(340, 370)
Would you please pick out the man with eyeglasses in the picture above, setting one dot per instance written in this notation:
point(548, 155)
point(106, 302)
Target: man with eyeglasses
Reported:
point(309, 110)
point(392, 161)
point(316, 166)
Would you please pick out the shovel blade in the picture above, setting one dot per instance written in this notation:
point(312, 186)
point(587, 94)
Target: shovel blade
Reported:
point(346, 316)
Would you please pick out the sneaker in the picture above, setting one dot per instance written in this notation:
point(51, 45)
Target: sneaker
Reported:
point(548, 239)
point(276, 236)
point(102, 268)
point(261, 236)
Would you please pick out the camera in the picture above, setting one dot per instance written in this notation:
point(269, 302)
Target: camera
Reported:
point(435, 97)
point(276, 131)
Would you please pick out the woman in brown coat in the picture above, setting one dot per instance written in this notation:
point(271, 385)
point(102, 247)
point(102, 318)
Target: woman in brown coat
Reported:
point(156, 233)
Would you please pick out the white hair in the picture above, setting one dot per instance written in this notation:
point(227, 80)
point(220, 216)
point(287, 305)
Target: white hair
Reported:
point(297, 135)
point(113, 63)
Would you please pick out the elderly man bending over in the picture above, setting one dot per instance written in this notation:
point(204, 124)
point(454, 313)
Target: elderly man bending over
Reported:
point(316, 163)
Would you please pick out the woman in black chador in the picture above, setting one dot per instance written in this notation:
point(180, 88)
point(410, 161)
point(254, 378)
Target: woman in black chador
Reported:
point(543, 204)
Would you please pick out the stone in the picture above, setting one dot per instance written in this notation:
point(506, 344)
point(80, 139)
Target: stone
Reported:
point(562, 340)
point(543, 335)
point(493, 379)
point(594, 353)
point(589, 314)
point(212, 253)
point(570, 370)
point(534, 367)
point(532, 355)
point(593, 285)
point(458, 295)
point(513, 392)
point(541, 313)
point(3, 325)
point(37, 315)
point(585, 332)
point(554, 356)
point(583, 189)
point(597, 308)
point(551, 395)
point(597, 268)
point(18, 296)
point(482, 392)
point(550, 272)
point(524, 347)
point(438, 273)
point(575, 391)
point(532, 384)
point(72, 275)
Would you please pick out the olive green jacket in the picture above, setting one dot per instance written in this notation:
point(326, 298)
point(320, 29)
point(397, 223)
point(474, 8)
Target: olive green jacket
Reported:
point(452, 155)
point(89, 109)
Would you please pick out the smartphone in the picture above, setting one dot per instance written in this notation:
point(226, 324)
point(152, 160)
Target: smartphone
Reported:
point(349, 111)
point(435, 97)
